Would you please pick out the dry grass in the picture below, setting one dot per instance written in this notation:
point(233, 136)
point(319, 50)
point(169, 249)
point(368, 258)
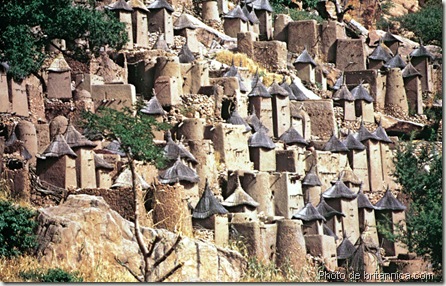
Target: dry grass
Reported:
point(101, 272)
point(243, 60)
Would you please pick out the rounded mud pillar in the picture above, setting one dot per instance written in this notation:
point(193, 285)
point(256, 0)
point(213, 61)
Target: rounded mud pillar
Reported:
point(257, 185)
point(395, 92)
point(170, 209)
point(171, 68)
point(192, 129)
point(58, 126)
point(209, 10)
point(26, 132)
point(290, 246)
point(203, 151)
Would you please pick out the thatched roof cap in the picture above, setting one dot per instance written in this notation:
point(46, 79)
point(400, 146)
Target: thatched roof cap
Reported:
point(239, 197)
point(276, 89)
point(259, 90)
point(308, 213)
point(236, 119)
point(125, 180)
point(389, 202)
point(305, 58)
point(161, 4)
point(363, 201)
point(326, 210)
point(255, 123)
point(381, 53)
point(120, 5)
point(184, 22)
point(262, 5)
point(208, 205)
point(59, 64)
point(381, 134)
point(185, 55)
point(57, 148)
point(298, 93)
point(138, 5)
point(75, 139)
point(421, 51)
point(173, 150)
point(100, 163)
point(328, 231)
point(178, 172)
point(352, 143)
point(291, 136)
point(311, 178)
point(153, 107)
point(389, 37)
point(115, 148)
point(346, 249)
point(261, 139)
point(410, 71)
point(360, 93)
point(395, 62)
point(160, 43)
point(339, 190)
point(343, 94)
point(236, 13)
point(335, 145)
point(287, 87)
point(363, 134)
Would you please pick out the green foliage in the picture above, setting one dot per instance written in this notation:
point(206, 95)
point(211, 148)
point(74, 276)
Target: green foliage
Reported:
point(51, 275)
point(28, 26)
point(280, 7)
point(426, 23)
point(132, 129)
point(17, 226)
point(420, 176)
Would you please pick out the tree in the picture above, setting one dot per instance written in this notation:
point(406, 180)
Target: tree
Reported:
point(419, 171)
point(28, 26)
point(133, 130)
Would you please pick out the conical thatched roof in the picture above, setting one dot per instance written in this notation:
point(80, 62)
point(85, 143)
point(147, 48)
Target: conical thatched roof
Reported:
point(262, 5)
point(153, 107)
point(311, 178)
point(287, 87)
point(363, 134)
point(308, 213)
point(326, 210)
point(291, 136)
point(138, 4)
point(12, 138)
point(421, 51)
point(248, 15)
point(343, 94)
point(360, 93)
point(255, 123)
point(395, 62)
point(389, 37)
point(339, 190)
point(352, 143)
point(259, 90)
point(261, 139)
point(335, 145)
point(178, 172)
point(389, 202)
point(276, 89)
point(100, 163)
point(115, 148)
point(185, 55)
point(160, 43)
point(208, 205)
point(172, 150)
point(75, 139)
point(305, 58)
point(381, 53)
point(254, 18)
point(233, 72)
point(328, 231)
point(381, 134)
point(298, 93)
point(120, 5)
point(348, 176)
point(410, 71)
point(125, 180)
point(236, 119)
point(59, 64)
point(339, 82)
point(363, 201)
point(239, 197)
point(57, 148)
point(161, 4)
point(346, 249)
point(236, 13)
point(184, 22)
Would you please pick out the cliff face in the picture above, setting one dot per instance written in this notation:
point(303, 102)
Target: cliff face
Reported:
point(84, 230)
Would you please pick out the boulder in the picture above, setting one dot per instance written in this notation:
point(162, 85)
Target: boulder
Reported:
point(85, 230)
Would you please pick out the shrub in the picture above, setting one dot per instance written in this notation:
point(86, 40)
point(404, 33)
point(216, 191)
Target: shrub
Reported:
point(51, 275)
point(17, 226)
point(426, 24)
point(419, 171)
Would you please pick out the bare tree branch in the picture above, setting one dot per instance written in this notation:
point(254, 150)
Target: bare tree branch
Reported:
point(178, 266)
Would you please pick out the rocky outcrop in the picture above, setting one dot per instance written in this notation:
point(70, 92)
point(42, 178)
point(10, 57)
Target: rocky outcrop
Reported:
point(85, 230)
